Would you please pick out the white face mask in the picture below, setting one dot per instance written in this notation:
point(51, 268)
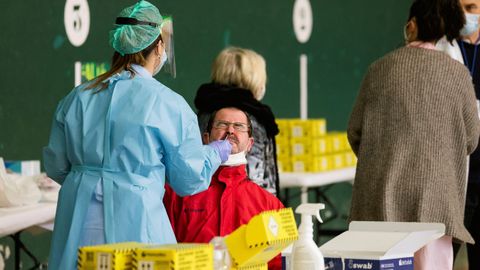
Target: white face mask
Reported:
point(163, 59)
point(236, 159)
point(471, 24)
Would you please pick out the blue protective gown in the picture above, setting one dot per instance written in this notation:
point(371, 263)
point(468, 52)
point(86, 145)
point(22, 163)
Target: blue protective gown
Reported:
point(122, 144)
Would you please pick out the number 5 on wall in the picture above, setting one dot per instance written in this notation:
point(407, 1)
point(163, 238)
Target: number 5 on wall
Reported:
point(77, 21)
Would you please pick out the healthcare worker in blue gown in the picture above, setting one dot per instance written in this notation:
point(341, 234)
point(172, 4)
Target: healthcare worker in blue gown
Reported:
point(115, 141)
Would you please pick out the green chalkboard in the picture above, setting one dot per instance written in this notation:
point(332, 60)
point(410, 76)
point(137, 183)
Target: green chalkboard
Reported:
point(38, 59)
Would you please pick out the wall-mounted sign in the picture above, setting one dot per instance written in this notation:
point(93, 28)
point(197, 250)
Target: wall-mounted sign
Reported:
point(86, 71)
point(76, 18)
point(302, 20)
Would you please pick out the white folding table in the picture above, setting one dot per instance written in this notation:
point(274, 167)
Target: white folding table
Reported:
point(14, 220)
point(304, 181)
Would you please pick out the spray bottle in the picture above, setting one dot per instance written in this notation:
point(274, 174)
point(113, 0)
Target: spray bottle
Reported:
point(305, 253)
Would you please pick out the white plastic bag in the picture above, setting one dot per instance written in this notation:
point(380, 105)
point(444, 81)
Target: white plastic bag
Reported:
point(48, 188)
point(17, 190)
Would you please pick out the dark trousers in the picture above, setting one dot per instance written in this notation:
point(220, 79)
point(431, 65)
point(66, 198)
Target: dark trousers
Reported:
point(472, 222)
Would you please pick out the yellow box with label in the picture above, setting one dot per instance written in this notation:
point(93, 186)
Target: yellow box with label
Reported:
point(320, 164)
point(299, 128)
point(307, 128)
point(337, 161)
point(336, 141)
point(350, 159)
point(262, 238)
point(284, 128)
point(299, 146)
point(284, 164)
point(320, 146)
point(183, 256)
point(300, 163)
point(344, 138)
point(318, 127)
point(260, 266)
point(116, 256)
point(283, 147)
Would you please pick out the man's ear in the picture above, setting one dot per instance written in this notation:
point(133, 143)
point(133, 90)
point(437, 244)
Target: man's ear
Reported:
point(206, 138)
point(250, 144)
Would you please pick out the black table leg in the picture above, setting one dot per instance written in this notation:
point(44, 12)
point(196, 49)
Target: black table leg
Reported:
point(19, 246)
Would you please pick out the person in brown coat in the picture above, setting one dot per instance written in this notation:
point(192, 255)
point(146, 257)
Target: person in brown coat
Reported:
point(412, 127)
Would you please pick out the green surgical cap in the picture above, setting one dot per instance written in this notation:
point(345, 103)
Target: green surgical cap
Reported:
point(129, 39)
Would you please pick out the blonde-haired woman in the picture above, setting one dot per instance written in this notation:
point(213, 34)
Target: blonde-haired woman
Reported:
point(238, 80)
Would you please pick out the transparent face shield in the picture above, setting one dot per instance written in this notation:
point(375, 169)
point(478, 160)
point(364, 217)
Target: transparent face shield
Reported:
point(166, 29)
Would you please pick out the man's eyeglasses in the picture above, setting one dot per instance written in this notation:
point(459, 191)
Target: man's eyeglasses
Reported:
point(241, 127)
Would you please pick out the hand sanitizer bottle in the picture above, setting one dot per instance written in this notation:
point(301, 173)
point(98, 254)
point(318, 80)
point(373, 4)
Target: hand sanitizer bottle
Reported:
point(305, 253)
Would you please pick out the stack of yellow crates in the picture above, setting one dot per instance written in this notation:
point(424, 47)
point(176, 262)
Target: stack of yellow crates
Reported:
point(140, 256)
point(305, 146)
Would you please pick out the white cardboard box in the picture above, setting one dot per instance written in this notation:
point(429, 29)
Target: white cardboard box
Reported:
point(379, 245)
point(23, 167)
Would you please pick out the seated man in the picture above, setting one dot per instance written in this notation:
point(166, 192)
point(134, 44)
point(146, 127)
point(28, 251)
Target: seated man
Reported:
point(232, 199)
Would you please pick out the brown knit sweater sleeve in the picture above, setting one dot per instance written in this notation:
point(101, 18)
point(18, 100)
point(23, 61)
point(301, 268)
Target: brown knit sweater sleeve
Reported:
point(470, 114)
point(354, 130)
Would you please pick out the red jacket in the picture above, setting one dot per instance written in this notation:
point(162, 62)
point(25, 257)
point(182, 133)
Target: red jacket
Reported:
point(231, 200)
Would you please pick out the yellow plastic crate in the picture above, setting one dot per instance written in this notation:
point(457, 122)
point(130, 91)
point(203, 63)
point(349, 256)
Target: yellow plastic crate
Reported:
point(307, 128)
point(320, 164)
point(116, 256)
point(299, 128)
point(318, 127)
point(320, 146)
point(350, 159)
point(283, 147)
point(300, 146)
point(263, 238)
point(344, 138)
point(284, 164)
point(283, 127)
point(300, 163)
point(184, 256)
point(336, 141)
point(337, 161)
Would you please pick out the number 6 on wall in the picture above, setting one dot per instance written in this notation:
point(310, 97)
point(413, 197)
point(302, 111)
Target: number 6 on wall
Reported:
point(302, 26)
point(302, 20)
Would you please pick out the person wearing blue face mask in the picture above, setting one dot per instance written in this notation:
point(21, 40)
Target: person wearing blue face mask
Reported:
point(413, 125)
point(466, 50)
point(117, 139)
point(458, 48)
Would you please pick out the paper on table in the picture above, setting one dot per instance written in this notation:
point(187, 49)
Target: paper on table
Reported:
point(16, 190)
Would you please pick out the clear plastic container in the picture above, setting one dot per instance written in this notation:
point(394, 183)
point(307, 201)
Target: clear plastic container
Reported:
point(221, 257)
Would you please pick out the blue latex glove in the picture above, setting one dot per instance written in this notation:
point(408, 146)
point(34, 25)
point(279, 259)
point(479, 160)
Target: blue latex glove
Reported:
point(223, 147)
